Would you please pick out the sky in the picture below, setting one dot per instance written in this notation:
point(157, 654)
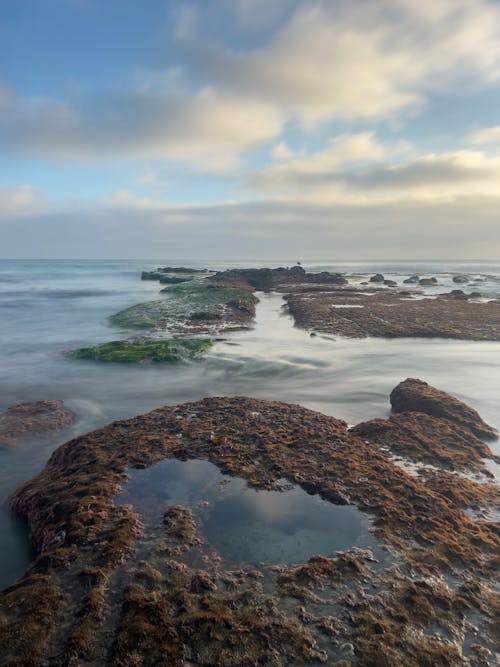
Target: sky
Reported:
point(334, 129)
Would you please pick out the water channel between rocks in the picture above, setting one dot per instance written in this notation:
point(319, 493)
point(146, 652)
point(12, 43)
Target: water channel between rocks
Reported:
point(245, 524)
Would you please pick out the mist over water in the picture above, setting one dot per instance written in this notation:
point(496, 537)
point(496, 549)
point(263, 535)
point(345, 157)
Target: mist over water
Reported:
point(47, 307)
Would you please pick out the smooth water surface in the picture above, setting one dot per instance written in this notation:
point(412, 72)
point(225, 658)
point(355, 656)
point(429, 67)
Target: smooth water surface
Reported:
point(47, 307)
point(242, 523)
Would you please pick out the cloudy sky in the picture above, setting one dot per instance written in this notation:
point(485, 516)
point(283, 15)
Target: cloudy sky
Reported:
point(342, 129)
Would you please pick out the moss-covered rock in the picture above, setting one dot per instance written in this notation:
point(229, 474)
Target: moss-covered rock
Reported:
point(138, 351)
point(231, 305)
point(141, 316)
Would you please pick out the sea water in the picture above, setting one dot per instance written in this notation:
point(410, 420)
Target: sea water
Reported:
point(47, 307)
point(246, 525)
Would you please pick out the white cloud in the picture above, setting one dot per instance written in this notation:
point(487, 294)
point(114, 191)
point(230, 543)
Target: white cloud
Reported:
point(18, 200)
point(326, 60)
point(207, 128)
point(332, 176)
point(359, 59)
point(486, 135)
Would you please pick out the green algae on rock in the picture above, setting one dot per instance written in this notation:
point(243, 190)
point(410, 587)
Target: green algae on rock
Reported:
point(198, 306)
point(142, 350)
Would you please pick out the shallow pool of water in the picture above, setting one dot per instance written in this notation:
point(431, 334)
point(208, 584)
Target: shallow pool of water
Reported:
point(242, 523)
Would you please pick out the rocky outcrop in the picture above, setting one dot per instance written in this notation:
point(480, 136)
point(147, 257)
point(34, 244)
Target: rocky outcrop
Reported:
point(412, 280)
point(420, 437)
point(428, 281)
point(161, 273)
point(359, 314)
point(414, 395)
point(377, 278)
point(461, 279)
point(26, 421)
point(264, 280)
point(107, 589)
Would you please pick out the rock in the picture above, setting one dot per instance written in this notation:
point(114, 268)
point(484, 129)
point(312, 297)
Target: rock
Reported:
point(327, 277)
point(377, 278)
point(390, 283)
point(29, 420)
point(139, 351)
point(180, 269)
point(475, 295)
point(414, 395)
point(461, 279)
point(456, 294)
point(428, 281)
point(109, 586)
point(173, 280)
point(151, 275)
point(231, 304)
point(412, 280)
point(421, 437)
point(354, 313)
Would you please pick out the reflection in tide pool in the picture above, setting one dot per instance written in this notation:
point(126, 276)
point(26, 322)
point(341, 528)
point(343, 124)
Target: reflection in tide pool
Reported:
point(242, 523)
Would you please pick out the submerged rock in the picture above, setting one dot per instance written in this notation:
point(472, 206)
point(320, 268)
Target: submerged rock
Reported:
point(28, 420)
point(414, 395)
point(108, 589)
point(143, 350)
point(461, 279)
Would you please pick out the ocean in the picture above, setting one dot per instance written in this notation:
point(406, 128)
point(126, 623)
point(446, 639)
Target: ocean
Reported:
point(47, 307)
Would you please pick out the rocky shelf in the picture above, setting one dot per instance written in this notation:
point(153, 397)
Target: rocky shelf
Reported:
point(107, 587)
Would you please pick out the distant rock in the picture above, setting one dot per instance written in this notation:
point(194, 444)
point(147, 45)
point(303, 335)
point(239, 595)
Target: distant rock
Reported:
point(412, 280)
point(29, 420)
point(413, 395)
point(173, 280)
point(390, 283)
point(461, 279)
point(180, 269)
point(377, 278)
point(428, 281)
point(151, 275)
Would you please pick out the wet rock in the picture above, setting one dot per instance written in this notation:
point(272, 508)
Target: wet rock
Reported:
point(357, 314)
point(173, 280)
point(390, 283)
point(180, 269)
point(226, 304)
point(28, 420)
point(428, 281)
point(412, 280)
point(377, 278)
point(460, 279)
point(143, 350)
point(118, 590)
point(151, 275)
point(413, 395)
point(421, 437)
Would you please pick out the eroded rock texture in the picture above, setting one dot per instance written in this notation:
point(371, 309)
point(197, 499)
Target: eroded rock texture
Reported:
point(358, 314)
point(26, 421)
point(108, 588)
point(418, 396)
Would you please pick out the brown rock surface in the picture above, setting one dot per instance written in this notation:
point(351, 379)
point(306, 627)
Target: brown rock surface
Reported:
point(421, 437)
point(24, 421)
point(358, 314)
point(107, 590)
point(415, 395)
